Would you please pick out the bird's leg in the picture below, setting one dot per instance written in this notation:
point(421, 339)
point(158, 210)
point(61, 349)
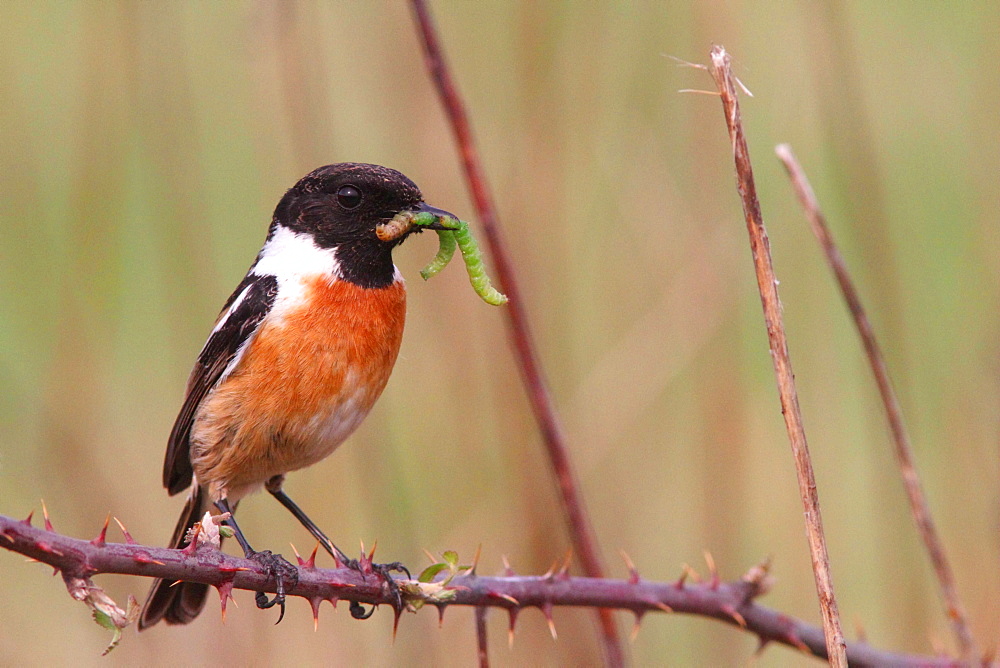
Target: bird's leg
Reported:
point(357, 610)
point(275, 565)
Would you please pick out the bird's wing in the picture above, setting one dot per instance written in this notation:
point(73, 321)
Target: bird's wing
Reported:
point(235, 329)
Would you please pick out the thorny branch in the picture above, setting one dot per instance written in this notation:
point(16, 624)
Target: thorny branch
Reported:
point(580, 529)
point(730, 602)
point(768, 287)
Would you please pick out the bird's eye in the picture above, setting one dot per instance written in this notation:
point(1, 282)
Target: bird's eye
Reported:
point(349, 197)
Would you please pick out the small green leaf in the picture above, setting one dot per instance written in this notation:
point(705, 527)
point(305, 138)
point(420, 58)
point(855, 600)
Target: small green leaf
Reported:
point(451, 558)
point(104, 620)
point(428, 573)
point(226, 531)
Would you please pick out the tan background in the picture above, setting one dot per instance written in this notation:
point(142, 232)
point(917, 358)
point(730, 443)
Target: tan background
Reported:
point(144, 146)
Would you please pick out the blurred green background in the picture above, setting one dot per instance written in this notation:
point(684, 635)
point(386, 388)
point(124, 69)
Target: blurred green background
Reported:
point(144, 145)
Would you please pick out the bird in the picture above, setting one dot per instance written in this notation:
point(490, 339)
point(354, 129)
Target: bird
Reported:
point(299, 354)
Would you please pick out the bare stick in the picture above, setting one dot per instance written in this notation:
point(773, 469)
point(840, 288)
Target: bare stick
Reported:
point(919, 507)
point(731, 602)
point(768, 286)
point(580, 529)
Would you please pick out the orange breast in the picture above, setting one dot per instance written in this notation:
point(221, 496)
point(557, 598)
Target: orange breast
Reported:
point(305, 383)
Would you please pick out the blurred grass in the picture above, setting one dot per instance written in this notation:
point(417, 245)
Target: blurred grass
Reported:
point(143, 147)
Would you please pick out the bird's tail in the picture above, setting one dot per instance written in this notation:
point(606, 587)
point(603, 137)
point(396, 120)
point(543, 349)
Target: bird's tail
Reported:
point(178, 603)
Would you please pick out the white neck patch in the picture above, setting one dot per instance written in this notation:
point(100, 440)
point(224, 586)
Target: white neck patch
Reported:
point(288, 255)
point(294, 259)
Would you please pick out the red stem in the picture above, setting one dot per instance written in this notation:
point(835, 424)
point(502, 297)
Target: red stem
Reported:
point(580, 529)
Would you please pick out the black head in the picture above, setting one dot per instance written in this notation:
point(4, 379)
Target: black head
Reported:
point(340, 206)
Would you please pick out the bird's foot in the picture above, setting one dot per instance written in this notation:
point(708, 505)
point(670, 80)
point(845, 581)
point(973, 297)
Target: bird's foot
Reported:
point(284, 574)
point(383, 570)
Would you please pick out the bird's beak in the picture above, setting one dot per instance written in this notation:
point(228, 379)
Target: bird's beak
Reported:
point(402, 224)
point(424, 207)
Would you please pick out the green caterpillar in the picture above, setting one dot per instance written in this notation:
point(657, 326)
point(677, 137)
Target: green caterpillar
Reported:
point(446, 250)
point(473, 262)
point(457, 235)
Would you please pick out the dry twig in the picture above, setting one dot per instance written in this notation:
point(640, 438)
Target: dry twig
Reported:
point(767, 283)
point(919, 507)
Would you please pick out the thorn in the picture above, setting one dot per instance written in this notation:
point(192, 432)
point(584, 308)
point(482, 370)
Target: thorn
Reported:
point(563, 572)
point(366, 561)
point(128, 536)
point(547, 611)
point(637, 625)
point(633, 574)
point(505, 597)
point(713, 571)
point(736, 616)
point(45, 513)
point(680, 581)
point(27, 520)
point(7, 538)
point(507, 570)
point(47, 549)
point(692, 573)
point(475, 559)
point(315, 602)
point(144, 558)
point(430, 557)
point(333, 601)
point(512, 613)
point(547, 575)
point(99, 541)
point(192, 545)
point(306, 563)
point(660, 605)
point(440, 615)
point(797, 643)
point(225, 595)
point(371, 554)
point(762, 644)
point(223, 568)
point(397, 614)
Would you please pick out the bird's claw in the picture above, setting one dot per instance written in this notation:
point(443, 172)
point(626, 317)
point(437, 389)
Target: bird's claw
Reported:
point(357, 610)
point(284, 574)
